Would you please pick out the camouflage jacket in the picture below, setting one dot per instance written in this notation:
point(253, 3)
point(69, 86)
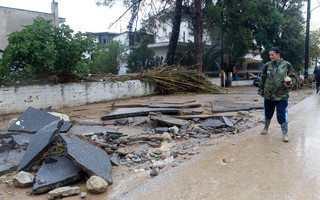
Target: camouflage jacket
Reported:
point(271, 84)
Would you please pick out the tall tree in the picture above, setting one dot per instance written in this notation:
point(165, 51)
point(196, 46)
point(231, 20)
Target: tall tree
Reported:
point(281, 24)
point(173, 8)
point(198, 34)
point(175, 33)
point(315, 44)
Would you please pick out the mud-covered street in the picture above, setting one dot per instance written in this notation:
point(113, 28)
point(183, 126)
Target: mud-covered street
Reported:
point(226, 165)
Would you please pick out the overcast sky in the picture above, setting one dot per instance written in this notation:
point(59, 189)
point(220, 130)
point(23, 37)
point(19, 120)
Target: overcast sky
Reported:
point(86, 16)
point(81, 15)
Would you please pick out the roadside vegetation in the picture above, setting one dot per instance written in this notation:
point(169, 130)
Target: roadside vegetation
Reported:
point(42, 53)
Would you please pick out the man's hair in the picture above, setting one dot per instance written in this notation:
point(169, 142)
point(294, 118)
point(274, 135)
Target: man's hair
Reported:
point(276, 50)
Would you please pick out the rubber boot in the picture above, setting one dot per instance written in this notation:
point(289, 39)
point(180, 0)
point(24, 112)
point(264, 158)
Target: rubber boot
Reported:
point(266, 127)
point(284, 129)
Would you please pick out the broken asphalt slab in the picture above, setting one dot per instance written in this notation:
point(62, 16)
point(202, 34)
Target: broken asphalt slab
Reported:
point(55, 172)
point(38, 144)
point(131, 112)
point(9, 160)
point(235, 107)
point(90, 158)
point(91, 130)
point(212, 124)
point(65, 126)
point(170, 121)
point(32, 120)
point(175, 106)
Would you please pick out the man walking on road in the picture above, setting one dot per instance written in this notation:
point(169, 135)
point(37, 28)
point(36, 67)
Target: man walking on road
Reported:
point(274, 88)
point(316, 78)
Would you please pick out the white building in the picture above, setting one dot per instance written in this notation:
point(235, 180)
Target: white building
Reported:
point(13, 19)
point(162, 38)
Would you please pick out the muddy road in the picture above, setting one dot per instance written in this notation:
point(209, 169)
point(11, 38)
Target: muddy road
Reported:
point(220, 164)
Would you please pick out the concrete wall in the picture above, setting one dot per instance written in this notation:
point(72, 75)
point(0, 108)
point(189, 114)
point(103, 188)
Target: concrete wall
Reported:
point(217, 81)
point(17, 99)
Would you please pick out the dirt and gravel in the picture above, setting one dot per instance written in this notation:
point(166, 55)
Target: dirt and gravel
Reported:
point(130, 176)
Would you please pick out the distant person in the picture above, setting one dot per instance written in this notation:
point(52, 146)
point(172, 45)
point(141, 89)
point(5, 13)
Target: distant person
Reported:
point(316, 77)
point(274, 88)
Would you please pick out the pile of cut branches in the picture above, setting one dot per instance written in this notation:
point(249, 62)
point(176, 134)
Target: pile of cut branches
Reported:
point(176, 81)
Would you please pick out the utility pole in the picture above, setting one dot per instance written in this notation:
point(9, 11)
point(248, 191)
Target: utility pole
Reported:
point(306, 58)
point(221, 53)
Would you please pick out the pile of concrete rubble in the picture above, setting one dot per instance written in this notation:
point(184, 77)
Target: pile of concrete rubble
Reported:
point(49, 152)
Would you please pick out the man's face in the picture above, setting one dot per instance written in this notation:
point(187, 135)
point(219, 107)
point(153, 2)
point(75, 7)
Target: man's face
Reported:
point(274, 56)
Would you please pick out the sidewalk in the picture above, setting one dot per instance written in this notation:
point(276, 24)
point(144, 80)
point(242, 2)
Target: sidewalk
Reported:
point(250, 166)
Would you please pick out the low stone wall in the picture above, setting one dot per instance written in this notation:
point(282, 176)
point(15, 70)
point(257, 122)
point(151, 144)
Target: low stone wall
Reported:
point(19, 98)
point(217, 81)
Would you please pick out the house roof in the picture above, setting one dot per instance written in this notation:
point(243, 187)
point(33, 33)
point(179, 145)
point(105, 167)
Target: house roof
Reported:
point(165, 44)
point(61, 19)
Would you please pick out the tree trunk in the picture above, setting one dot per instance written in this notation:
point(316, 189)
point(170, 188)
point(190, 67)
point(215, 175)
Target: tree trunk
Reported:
point(175, 33)
point(198, 31)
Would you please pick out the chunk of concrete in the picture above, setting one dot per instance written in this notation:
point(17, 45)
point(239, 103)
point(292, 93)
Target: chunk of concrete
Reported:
point(96, 184)
point(63, 192)
point(9, 160)
point(90, 158)
point(23, 179)
point(32, 120)
point(38, 144)
point(55, 172)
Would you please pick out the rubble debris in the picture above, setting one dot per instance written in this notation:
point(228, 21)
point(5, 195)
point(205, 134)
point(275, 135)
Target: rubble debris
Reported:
point(131, 112)
point(201, 117)
point(166, 136)
point(83, 195)
point(115, 159)
point(161, 129)
point(154, 172)
point(38, 144)
point(63, 192)
point(90, 158)
point(122, 121)
point(191, 112)
point(23, 179)
point(96, 184)
point(227, 121)
point(55, 172)
point(32, 120)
